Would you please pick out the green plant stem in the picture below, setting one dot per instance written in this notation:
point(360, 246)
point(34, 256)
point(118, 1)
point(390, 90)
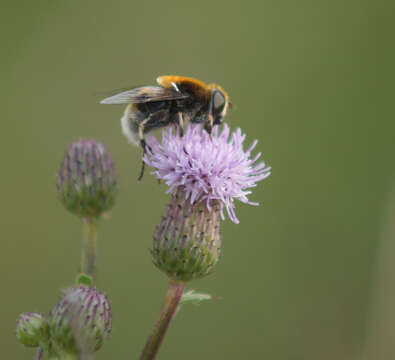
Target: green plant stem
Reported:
point(66, 357)
point(169, 308)
point(39, 354)
point(88, 262)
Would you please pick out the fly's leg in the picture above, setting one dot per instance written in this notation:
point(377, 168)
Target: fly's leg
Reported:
point(208, 126)
point(180, 123)
point(143, 145)
point(208, 129)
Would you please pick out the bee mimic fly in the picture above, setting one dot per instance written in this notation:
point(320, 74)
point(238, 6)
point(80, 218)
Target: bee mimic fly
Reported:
point(177, 100)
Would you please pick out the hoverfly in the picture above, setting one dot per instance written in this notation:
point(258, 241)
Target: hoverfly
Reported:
point(177, 100)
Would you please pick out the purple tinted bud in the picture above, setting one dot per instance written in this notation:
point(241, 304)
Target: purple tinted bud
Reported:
point(87, 181)
point(81, 321)
point(32, 329)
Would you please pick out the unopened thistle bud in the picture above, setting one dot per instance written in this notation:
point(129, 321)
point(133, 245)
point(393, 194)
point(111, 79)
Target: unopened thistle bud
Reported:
point(87, 181)
point(32, 329)
point(81, 321)
point(204, 174)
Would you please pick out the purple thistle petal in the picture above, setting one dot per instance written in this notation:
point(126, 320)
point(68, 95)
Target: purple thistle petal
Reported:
point(207, 168)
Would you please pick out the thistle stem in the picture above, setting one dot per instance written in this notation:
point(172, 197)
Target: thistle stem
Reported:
point(169, 308)
point(88, 262)
point(65, 357)
point(39, 354)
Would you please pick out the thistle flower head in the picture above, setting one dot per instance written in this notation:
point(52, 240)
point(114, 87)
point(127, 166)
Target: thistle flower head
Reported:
point(32, 329)
point(187, 242)
point(81, 321)
point(207, 167)
point(87, 182)
point(204, 174)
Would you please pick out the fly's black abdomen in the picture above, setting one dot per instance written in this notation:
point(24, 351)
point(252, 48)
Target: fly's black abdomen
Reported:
point(144, 110)
point(156, 120)
point(155, 106)
point(154, 114)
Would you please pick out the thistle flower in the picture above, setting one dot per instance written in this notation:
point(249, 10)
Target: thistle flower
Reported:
point(207, 168)
point(204, 174)
point(86, 181)
point(81, 321)
point(32, 329)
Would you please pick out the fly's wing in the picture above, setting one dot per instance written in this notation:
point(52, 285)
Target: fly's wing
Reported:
point(144, 94)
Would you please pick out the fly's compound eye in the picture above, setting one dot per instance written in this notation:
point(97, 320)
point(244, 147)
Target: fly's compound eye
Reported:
point(218, 101)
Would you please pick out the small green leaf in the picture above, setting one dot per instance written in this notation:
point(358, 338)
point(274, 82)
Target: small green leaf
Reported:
point(84, 280)
point(192, 297)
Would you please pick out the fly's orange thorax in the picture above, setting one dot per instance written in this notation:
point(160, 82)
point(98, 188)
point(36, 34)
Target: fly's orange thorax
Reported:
point(199, 87)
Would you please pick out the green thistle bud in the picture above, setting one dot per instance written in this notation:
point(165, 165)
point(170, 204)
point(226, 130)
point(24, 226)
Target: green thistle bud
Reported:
point(87, 182)
point(81, 321)
point(187, 242)
point(32, 329)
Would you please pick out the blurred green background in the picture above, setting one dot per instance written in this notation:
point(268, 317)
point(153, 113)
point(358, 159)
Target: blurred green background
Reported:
point(310, 274)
